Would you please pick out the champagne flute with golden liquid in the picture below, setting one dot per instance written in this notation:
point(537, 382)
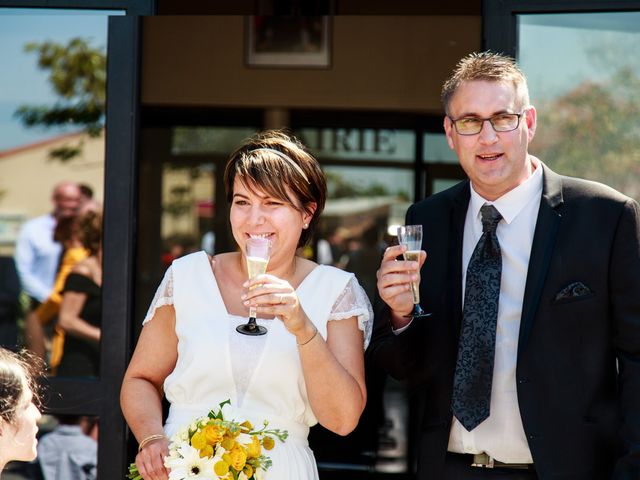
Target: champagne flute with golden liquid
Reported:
point(257, 252)
point(411, 237)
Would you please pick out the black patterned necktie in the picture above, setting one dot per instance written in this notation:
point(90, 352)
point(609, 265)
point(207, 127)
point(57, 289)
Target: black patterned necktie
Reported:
point(476, 349)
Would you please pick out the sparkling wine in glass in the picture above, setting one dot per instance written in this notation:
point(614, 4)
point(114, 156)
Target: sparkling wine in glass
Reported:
point(411, 237)
point(257, 252)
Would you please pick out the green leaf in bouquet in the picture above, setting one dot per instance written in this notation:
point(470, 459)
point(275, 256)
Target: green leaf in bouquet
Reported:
point(134, 474)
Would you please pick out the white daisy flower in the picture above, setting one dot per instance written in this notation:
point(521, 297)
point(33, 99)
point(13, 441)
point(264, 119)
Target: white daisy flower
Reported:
point(190, 466)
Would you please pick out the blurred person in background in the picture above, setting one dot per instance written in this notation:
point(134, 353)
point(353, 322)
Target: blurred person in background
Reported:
point(68, 452)
point(81, 309)
point(42, 342)
point(37, 253)
point(67, 232)
point(86, 194)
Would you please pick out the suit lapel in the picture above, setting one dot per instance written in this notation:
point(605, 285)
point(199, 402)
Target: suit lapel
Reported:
point(456, 234)
point(544, 239)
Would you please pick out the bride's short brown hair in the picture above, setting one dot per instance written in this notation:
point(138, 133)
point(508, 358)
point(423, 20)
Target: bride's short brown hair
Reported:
point(279, 164)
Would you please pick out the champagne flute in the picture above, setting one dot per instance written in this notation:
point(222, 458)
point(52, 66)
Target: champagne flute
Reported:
point(257, 252)
point(411, 237)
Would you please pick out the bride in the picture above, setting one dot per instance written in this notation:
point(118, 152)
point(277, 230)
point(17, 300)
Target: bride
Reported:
point(309, 366)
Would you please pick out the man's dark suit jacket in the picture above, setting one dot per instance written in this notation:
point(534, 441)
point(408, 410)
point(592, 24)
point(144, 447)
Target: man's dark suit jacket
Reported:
point(578, 366)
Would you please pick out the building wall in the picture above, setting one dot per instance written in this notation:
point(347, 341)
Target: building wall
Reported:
point(27, 178)
point(377, 62)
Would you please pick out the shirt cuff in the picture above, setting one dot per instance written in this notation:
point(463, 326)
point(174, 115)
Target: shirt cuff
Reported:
point(401, 329)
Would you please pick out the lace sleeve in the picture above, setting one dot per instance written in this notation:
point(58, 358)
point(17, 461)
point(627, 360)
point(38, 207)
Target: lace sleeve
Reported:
point(353, 302)
point(163, 296)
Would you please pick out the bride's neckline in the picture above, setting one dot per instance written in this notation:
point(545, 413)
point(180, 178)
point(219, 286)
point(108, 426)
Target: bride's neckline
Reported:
point(219, 292)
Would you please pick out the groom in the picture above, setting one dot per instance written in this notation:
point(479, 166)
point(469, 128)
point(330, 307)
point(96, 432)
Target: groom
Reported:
point(529, 366)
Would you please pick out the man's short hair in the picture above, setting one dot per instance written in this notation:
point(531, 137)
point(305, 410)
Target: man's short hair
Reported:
point(487, 66)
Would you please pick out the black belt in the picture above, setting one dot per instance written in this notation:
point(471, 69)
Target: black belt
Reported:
point(482, 460)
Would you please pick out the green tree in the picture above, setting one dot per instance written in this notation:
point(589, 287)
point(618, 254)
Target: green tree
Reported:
point(593, 132)
point(77, 74)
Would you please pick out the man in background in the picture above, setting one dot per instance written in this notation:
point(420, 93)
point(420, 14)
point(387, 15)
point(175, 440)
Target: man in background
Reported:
point(37, 255)
point(69, 451)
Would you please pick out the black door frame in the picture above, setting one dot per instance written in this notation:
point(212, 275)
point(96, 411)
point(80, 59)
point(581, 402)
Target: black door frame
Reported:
point(123, 105)
point(499, 17)
point(131, 7)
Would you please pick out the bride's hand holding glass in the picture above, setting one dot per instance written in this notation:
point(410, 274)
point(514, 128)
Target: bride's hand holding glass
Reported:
point(273, 296)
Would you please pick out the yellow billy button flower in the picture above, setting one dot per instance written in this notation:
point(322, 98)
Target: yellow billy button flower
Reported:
point(248, 470)
point(238, 458)
point(221, 468)
point(213, 434)
point(253, 449)
point(198, 441)
point(268, 443)
point(207, 451)
point(228, 443)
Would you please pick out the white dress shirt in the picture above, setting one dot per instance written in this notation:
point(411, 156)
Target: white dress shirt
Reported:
point(67, 453)
point(502, 434)
point(37, 256)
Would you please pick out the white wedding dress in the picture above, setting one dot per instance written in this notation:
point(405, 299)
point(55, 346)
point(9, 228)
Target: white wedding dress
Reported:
point(262, 376)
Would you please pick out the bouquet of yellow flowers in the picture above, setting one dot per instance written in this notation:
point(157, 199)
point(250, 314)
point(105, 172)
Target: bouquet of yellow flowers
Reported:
point(214, 448)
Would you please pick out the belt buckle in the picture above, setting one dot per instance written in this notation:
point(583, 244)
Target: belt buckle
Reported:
point(482, 460)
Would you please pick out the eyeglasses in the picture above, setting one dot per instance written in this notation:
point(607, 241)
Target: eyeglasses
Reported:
point(502, 122)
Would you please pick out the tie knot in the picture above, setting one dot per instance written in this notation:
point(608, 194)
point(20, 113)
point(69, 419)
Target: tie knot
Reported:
point(490, 218)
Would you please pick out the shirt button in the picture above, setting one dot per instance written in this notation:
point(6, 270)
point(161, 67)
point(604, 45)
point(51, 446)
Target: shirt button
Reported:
point(522, 381)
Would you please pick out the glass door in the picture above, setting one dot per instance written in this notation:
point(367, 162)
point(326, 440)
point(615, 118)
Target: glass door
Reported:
point(59, 71)
point(584, 79)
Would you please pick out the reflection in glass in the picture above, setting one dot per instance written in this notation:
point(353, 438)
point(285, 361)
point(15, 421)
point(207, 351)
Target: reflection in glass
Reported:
point(436, 149)
point(588, 102)
point(360, 143)
point(40, 163)
point(80, 317)
point(363, 204)
point(442, 184)
point(221, 140)
point(188, 210)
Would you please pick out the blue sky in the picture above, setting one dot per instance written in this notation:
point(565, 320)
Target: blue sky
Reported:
point(21, 81)
point(559, 51)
